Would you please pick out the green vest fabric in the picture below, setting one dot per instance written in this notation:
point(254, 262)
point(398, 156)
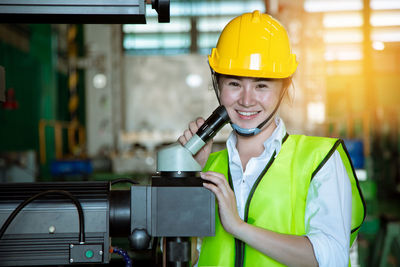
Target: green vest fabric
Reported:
point(277, 200)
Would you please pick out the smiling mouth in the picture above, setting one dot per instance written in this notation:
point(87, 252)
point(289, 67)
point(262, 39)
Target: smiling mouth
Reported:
point(247, 114)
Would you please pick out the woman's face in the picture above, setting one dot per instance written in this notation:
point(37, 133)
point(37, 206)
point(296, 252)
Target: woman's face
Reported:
point(249, 101)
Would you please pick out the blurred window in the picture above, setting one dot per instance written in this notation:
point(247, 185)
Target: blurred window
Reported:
point(343, 26)
point(194, 27)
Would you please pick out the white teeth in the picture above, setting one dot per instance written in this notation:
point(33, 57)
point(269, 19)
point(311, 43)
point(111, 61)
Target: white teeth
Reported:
point(247, 113)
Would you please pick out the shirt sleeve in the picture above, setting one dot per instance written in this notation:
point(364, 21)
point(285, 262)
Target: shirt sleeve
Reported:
point(328, 213)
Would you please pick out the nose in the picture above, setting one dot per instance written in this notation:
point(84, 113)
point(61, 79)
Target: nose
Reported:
point(247, 97)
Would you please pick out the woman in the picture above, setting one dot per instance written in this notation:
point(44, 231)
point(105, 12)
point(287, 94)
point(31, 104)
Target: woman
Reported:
point(282, 199)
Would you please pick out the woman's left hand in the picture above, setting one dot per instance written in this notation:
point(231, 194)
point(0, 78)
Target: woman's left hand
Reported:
point(227, 208)
point(291, 250)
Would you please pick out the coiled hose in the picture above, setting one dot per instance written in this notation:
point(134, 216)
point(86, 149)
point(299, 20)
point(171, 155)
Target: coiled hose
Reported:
point(124, 254)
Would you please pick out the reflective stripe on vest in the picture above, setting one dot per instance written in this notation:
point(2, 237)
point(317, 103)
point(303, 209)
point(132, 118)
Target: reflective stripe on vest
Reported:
point(278, 198)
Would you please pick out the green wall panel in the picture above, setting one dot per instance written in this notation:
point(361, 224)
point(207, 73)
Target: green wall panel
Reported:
point(33, 76)
point(19, 126)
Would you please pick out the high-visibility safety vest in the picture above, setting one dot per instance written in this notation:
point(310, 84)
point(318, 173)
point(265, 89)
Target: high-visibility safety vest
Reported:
point(277, 201)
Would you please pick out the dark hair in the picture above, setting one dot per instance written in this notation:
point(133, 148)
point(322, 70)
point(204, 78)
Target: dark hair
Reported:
point(285, 85)
point(287, 82)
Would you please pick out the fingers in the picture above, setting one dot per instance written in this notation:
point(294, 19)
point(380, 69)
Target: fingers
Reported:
point(227, 209)
point(188, 134)
point(195, 125)
point(182, 140)
point(192, 129)
point(218, 184)
point(214, 177)
point(199, 121)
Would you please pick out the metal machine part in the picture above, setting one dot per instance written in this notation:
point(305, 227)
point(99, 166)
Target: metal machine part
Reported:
point(178, 158)
point(179, 187)
point(40, 227)
point(120, 213)
point(80, 11)
point(46, 231)
point(162, 8)
point(167, 209)
point(178, 251)
point(86, 253)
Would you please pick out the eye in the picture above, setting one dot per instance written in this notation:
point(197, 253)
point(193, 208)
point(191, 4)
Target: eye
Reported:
point(233, 83)
point(262, 86)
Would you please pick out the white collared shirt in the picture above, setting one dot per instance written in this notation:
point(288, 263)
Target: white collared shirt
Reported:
point(328, 204)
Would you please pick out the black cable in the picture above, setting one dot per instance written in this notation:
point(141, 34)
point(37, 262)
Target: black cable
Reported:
point(29, 200)
point(123, 180)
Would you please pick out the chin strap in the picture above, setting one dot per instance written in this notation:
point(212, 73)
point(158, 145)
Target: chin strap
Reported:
point(244, 131)
point(215, 84)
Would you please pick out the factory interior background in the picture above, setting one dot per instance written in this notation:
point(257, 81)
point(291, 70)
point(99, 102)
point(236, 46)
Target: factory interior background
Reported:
point(95, 102)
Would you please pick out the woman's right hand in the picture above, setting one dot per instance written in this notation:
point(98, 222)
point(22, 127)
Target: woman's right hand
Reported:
point(201, 156)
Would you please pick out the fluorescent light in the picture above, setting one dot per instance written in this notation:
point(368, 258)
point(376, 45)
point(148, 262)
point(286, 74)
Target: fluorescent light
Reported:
point(385, 4)
point(207, 40)
point(343, 55)
point(343, 52)
point(342, 20)
point(205, 8)
point(388, 18)
point(344, 68)
point(343, 5)
point(332, 5)
point(210, 24)
point(386, 35)
point(176, 25)
point(343, 36)
point(154, 42)
point(355, 19)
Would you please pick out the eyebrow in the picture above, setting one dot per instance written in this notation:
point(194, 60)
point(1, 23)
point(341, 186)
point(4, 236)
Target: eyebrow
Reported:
point(231, 77)
point(256, 79)
point(265, 79)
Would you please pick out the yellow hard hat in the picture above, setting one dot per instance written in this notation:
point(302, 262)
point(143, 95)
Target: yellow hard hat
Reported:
point(253, 45)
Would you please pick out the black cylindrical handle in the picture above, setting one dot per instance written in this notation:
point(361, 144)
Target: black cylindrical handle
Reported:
point(213, 124)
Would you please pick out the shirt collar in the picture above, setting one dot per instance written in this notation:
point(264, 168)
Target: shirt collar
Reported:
point(274, 142)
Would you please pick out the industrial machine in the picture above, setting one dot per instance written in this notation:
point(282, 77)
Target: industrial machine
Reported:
point(80, 11)
point(73, 222)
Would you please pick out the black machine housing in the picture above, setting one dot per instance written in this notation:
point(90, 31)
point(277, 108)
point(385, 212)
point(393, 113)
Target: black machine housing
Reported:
point(46, 231)
point(73, 222)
